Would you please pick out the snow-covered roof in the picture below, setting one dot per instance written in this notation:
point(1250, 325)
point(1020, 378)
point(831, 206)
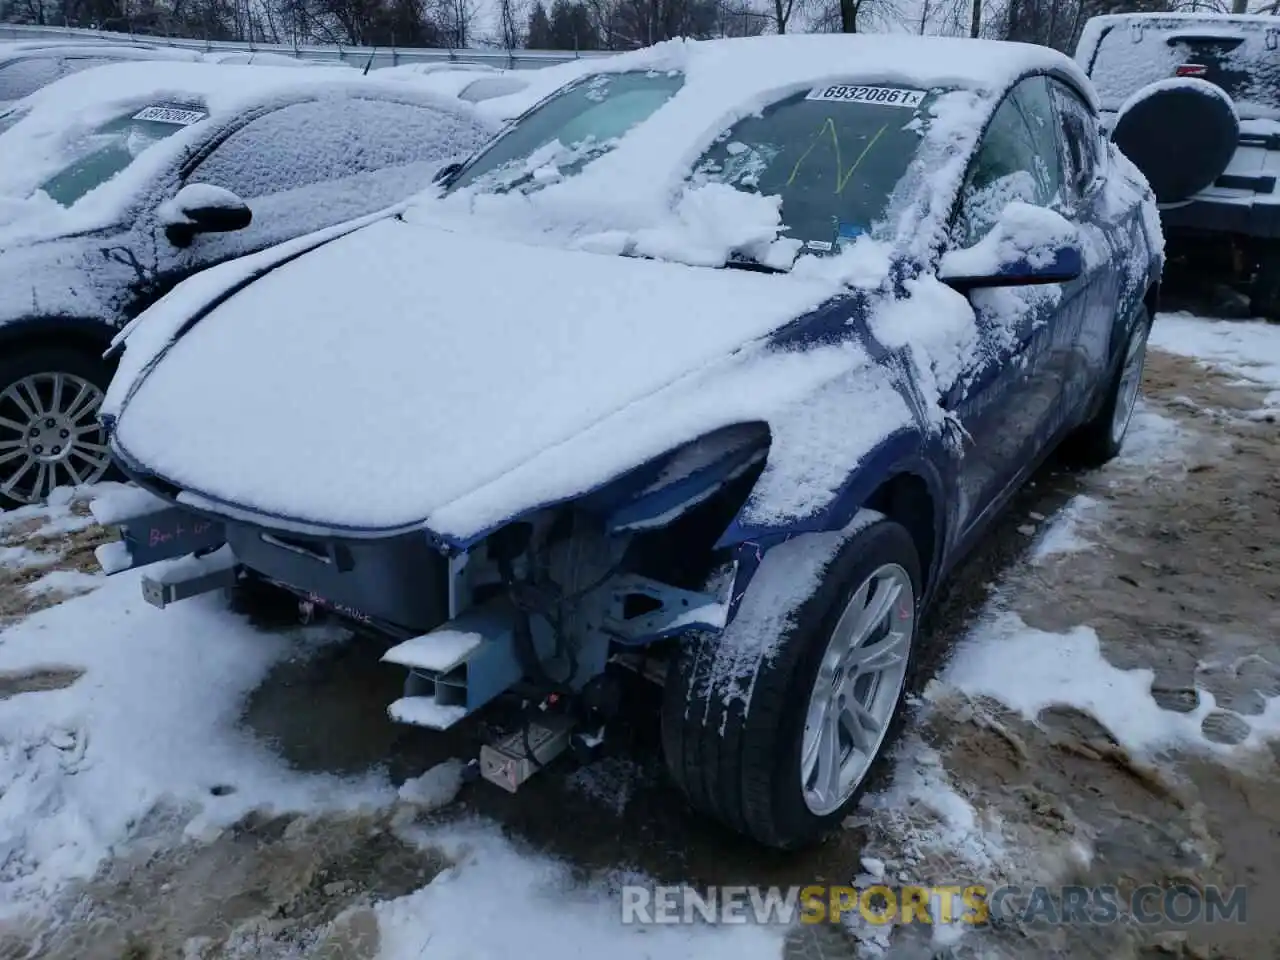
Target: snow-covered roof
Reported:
point(265, 58)
point(1125, 52)
point(58, 115)
point(763, 65)
point(115, 51)
point(539, 83)
point(468, 81)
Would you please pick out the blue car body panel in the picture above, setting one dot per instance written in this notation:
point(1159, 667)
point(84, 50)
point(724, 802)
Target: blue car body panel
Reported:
point(1024, 391)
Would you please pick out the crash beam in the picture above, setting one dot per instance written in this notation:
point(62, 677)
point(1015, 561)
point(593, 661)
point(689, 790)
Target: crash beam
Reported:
point(160, 535)
point(457, 668)
point(189, 577)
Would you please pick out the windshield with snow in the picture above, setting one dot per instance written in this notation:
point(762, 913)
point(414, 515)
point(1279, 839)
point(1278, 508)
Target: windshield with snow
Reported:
point(113, 146)
point(833, 154)
point(573, 127)
point(1240, 56)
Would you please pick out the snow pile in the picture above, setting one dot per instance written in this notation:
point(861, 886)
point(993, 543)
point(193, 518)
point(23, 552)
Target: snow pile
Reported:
point(152, 721)
point(1250, 351)
point(1153, 437)
point(715, 220)
point(1188, 84)
point(56, 516)
point(1066, 532)
point(1030, 670)
point(1021, 232)
point(496, 902)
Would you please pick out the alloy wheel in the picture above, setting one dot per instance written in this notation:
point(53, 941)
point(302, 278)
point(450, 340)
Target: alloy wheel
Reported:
point(50, 435)
point(857, 688)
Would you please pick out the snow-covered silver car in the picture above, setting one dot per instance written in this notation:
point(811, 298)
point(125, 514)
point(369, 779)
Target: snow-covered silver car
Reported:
point(119, 182)
point(26, 68)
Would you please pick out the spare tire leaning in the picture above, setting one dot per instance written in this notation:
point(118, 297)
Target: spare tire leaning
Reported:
point(1181, 133)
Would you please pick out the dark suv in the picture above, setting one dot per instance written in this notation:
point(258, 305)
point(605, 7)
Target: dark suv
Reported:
point(1194, 101)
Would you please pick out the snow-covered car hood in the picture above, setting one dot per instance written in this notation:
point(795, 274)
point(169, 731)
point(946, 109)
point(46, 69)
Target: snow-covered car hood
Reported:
point(403, 389)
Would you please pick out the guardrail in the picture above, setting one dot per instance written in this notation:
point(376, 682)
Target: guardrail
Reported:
point(382, 56)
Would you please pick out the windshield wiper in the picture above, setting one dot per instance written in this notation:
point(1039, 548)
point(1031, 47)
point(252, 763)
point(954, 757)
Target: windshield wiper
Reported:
point(755, 266)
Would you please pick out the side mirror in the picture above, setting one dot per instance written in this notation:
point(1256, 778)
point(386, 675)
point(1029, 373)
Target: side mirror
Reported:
point(202, 208)
point(1028, 245)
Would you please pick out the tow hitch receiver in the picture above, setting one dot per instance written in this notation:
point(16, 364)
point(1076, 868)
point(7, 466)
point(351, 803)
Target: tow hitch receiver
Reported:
point(189, 576)
point(508, 764)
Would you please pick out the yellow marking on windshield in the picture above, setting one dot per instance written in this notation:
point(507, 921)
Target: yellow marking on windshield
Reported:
point(841, 178)
point(857, 163)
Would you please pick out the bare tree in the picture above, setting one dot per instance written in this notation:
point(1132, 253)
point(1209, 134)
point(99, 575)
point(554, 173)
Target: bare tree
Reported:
point(455, 20)
point(856, 16)
point(512, 16)
point(782, 11)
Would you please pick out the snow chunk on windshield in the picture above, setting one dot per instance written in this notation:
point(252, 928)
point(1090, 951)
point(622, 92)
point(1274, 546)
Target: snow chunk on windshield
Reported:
point(715, 221)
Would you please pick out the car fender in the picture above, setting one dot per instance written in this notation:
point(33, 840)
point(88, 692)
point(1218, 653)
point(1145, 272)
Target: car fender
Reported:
point(901, 453)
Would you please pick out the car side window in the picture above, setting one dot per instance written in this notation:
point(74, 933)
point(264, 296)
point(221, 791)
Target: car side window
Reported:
point(1081, 138)
point(1017, 159)
point(329, 139)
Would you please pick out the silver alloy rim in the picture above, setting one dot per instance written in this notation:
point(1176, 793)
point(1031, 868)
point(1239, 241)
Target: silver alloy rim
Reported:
point(50, 435)
point(1130, 382)
point(856, 691)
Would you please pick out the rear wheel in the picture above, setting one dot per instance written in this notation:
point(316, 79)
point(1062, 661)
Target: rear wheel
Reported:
point(1264, 292)
point(49, 431)
point(784, 761)
point(1100, 440)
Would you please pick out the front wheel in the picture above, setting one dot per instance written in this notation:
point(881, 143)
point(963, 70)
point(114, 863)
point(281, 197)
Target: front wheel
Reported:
point(782, 752)
point(49, 430)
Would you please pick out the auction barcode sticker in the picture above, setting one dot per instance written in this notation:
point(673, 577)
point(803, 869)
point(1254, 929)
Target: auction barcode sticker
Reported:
point(170, 115)
point(888, 96)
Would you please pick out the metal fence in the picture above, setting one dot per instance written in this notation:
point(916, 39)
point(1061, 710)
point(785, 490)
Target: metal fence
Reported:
point(382, 56)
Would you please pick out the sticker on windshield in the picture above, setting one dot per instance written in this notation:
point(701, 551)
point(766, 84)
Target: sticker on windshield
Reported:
point(888, 96)
point(183, 118)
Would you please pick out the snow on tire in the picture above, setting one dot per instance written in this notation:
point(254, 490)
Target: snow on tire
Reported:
point(777, 725)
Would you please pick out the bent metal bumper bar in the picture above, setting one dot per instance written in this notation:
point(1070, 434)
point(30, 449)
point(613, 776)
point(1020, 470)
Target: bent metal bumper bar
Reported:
point(200, 560)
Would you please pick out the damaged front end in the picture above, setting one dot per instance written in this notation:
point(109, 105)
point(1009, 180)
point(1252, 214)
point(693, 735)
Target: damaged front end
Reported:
point(543, 606)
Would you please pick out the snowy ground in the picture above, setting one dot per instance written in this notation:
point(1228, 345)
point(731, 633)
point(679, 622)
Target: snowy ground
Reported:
point(187, 784)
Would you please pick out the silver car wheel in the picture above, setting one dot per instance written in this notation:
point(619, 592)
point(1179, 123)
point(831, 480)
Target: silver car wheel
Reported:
point(856, 692)
point(1130, 383)
point(50, 435)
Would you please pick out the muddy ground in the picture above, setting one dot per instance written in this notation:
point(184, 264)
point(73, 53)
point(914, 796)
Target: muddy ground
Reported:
point(1184, 580)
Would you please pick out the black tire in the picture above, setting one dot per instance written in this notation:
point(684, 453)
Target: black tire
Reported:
point(22, 363)
point(1264, 292)
point(740, 762)
point(1180, 137)
point(1096, 442)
